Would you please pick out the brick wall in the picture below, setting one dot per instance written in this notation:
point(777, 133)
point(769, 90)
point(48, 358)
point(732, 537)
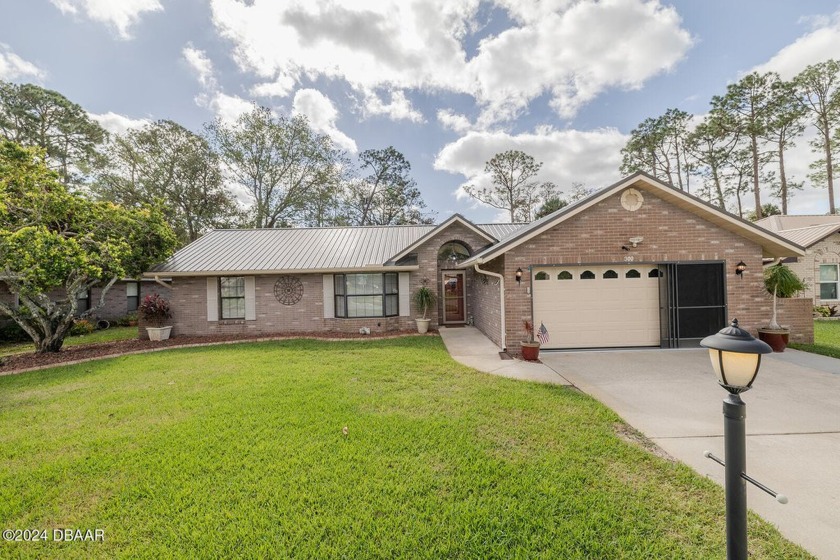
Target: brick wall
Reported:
point(670, 233)
point(807, 268)
point(796, 314)
point(485, 300)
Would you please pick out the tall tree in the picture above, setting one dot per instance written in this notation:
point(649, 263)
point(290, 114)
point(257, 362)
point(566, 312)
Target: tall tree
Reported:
point(279, 161)
point(658, 146)
point(54, 241)
point(34, 116)
point(513, 177)
point(164, 160)
point(749, 105)
point(712, 144)
point(785, 125)
point(387, 195)
point(818, 89)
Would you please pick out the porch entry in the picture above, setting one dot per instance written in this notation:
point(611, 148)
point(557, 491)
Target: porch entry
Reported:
point(692, 302)
point(454, 297)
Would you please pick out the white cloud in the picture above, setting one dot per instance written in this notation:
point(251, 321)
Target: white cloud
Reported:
point(568, 156)
point(398, 109)
point(820, 43)
point(226, 107)
point(118, 14)
point(280, 87)
point(116, 123)
point(322, 116)
point(13, 67)
point(201, 66)
point(453, 121)
point(570, 51)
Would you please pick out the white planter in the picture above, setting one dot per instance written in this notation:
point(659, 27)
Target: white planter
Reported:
point(423, 325)
point(158, 333)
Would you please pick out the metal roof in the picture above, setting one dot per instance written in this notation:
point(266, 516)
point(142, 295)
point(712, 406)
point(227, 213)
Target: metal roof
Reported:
point(807, 236)
point(782, 223)
point(301, 249)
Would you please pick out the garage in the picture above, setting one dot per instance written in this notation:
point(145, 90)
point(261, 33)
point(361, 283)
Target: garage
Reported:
point(597, 306)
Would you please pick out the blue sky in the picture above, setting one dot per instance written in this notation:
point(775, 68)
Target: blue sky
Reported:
point(447, 82)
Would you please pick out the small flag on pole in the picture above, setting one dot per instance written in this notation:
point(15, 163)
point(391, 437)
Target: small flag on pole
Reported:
point(542, 334)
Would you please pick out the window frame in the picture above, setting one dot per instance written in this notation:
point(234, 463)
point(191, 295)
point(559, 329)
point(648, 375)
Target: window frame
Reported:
point(128, 298)
point(223, 298)
point(341, 297)
point(835, 282)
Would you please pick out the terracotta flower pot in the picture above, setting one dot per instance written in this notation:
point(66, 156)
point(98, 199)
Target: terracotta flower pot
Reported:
point(776, 338)
point(531, 351)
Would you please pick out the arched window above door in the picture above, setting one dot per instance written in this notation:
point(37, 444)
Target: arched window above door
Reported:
point(453, 252)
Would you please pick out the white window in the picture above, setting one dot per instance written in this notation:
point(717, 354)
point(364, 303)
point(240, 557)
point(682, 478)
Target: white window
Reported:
point(828, 281)
point(232, 297)
point(132, 295)
point(366, 295)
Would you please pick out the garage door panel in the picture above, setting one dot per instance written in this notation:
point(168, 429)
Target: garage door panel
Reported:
point(601, 312)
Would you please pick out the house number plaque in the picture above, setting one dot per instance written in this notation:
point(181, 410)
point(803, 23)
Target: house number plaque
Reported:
point(288, 290)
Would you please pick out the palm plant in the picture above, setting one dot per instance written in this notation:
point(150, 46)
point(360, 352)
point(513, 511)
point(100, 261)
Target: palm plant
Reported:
point(782, 282)
point(424, 298)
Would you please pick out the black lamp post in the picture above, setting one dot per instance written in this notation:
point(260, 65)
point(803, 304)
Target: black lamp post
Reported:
point(736, 358)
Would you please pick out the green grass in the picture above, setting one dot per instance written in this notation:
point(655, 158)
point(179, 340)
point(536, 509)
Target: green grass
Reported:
point(826, 339)
point(238, 451)
point(107, 335)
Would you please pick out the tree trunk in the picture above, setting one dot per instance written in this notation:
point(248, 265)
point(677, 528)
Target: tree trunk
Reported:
point(829, 175)
point(783, 180)
point(774, 322)
point(721, 200)
point(756, 187)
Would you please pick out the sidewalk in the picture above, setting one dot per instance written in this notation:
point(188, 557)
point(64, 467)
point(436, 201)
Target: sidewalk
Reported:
point(470, 347)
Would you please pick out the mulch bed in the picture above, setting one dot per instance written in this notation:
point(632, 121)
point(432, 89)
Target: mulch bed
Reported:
point(18, 363)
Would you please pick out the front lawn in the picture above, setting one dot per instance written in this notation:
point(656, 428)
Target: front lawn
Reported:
point(826, 339)
point(106, 335)
point(238, 451)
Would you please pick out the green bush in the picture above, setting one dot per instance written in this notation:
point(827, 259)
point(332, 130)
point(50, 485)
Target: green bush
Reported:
point(13, 333)
point(127, 320)
point(81, 326)
point(823, 310)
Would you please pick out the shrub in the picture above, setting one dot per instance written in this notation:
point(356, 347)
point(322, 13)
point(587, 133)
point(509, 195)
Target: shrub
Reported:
point(127, 320)
point(822, 310)
point(13, 333)
point(81, 327)
point(155, 310)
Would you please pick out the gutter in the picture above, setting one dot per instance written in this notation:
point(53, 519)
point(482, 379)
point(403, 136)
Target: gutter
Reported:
point(501, 298)
point(161, 282)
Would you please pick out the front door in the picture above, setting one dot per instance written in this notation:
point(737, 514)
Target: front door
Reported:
point(454, 297)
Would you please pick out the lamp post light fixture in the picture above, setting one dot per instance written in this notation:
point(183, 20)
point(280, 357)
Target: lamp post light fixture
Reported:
point(736, 358)
point(740, 268)
point(519, 275)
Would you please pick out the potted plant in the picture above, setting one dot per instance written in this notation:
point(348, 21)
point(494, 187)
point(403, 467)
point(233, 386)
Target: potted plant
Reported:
point(530, 347)
point(424, 298)
point(782, 282)
point(155, 311)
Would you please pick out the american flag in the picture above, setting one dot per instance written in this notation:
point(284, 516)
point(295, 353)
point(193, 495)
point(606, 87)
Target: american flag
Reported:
point(542, 334)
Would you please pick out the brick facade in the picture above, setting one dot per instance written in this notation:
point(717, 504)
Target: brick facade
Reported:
point(807, 268)
point(671, 234)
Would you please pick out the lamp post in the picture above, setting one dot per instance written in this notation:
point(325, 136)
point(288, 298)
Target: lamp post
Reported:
point(736, 358)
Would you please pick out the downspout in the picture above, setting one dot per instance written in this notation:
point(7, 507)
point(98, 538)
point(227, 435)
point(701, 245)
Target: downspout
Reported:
point(161, 282)
point(501, 299)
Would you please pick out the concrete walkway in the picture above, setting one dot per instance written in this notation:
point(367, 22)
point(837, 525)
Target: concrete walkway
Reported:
point(672, 396)
point(470, 347)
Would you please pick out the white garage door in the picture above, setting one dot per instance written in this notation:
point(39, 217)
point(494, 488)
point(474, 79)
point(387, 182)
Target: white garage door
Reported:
point(597, 306)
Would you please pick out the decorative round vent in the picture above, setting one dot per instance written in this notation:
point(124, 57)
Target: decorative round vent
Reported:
point(632, 200)
point(288, 290)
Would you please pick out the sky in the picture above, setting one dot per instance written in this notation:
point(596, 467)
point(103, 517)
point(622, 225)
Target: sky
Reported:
point(449, 83)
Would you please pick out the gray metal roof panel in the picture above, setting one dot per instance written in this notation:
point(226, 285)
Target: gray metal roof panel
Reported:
point(807, 236)
point(292, 249)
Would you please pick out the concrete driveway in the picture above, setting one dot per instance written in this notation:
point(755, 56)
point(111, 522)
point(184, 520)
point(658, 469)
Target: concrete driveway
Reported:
point(793, 425)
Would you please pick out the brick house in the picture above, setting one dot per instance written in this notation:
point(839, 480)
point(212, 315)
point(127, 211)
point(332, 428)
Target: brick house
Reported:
point(638, 263)
point(819, 268)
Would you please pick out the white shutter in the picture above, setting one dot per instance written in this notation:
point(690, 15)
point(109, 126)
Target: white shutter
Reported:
point(250, 298)
point(405, 295)
point(329, 296)
point(212, 299)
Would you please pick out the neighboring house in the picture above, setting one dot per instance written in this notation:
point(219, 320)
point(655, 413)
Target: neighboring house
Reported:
point(819, 268)
point(639, 263)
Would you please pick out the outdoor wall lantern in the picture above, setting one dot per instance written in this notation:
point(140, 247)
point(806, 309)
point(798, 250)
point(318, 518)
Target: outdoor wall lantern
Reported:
point(519, 275)
point(736, 358)
point(740, 268)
